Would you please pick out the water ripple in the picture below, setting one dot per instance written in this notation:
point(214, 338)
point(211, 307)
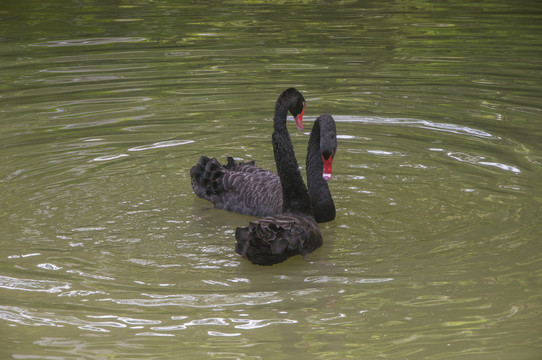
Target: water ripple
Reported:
point(255, 324)
point(48, 286)
point(202, 300)
point(89, 41)
point(24, 316)
point(126, 320)
point(425, 124)
point(104, 323)
point(161, 144)
point(110, 157)
point(501, 166)
point(344, 280)
point(477, 160)
point(217, 333)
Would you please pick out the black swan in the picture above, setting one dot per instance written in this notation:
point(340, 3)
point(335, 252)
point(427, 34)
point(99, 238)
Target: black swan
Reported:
point(247, 189)
point(275, 238)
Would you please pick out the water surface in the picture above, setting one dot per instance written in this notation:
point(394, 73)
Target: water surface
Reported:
point(106, 252)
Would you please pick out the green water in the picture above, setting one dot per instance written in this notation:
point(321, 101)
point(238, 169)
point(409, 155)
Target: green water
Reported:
point(106, 252)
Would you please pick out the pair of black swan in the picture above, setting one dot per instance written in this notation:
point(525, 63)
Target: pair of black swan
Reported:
point(289, 226)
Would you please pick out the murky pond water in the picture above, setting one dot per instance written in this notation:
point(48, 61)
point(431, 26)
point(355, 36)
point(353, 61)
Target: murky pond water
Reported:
point(106, 252)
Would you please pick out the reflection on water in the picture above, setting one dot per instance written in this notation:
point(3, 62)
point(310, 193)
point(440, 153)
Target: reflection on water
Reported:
point(107, 252)
point(161, 144)
point(92, 41)
point(424, 124)
point(33, 285)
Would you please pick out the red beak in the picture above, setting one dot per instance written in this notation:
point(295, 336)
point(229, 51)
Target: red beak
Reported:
point(326, 171)
point(299, 119)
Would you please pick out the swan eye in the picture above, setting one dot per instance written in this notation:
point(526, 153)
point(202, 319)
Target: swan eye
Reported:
point(327, 154)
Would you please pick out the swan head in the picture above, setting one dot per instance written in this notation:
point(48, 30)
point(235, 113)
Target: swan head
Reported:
point(328, 143)
point(294, 101)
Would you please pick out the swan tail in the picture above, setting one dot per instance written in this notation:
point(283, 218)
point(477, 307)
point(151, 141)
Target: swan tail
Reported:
point(274, 239)
point(206, 177)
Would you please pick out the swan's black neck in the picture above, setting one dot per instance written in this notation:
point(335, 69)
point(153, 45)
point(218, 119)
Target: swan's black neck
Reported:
point(295, 197)
point(322, 203)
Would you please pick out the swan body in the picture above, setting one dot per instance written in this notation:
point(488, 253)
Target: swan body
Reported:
point(275, 238)
point(248, 189)
point(242, 188)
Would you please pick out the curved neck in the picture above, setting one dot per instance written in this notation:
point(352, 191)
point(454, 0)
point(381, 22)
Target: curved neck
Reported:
point(295, 197)
point(322, 203)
